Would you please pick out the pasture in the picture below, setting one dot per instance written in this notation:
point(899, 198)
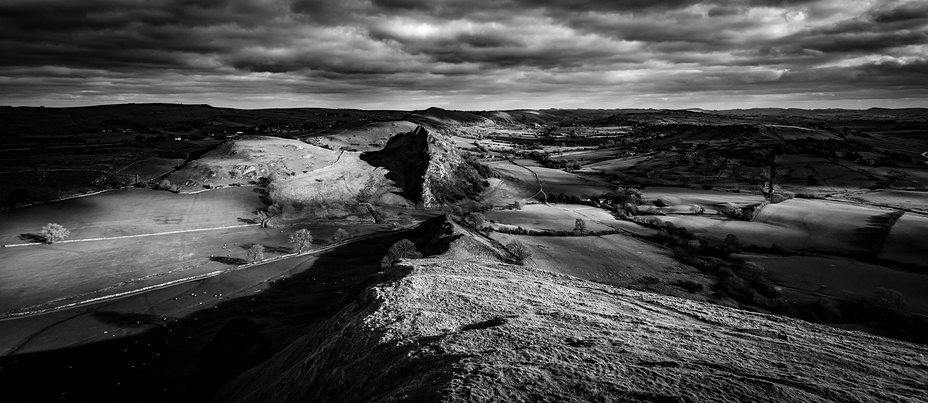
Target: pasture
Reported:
point(585, 156)
point(490, 145)
point(615, 164)
point(908, 241)
point(676, 196)
point(843, 278)
point(903, 199)
point(559, 217)
point(287, 297)
point(150, 169)
point(68, 272)
point(251, 157)
point(131, 212)
point(610, 259)
point(794, 224)
point(821, 174)
point(335, 190)
point(370, 137)
point(554, 181)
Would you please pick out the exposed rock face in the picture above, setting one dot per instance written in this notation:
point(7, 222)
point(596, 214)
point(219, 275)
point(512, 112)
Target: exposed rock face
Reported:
point(439, 329)
point(406, 157)
point(423, 164)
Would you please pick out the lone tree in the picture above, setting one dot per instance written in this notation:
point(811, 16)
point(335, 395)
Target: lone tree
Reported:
point(167, 185)
point(340, 235)
point(402, 249)
point(519, 251)
point(889, 298)
point(54, 232)
point(256, 253)
point(263, 217)
point(301, 239)
point(518, 205)
point(475, 220)
point(579, 226)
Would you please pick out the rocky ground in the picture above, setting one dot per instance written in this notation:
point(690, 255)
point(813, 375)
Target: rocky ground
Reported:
point(453, 330)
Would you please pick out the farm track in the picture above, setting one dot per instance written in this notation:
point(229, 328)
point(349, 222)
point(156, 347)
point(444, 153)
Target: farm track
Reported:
point(541, 188)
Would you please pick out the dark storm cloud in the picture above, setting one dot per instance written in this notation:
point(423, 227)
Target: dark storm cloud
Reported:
point(462, 53)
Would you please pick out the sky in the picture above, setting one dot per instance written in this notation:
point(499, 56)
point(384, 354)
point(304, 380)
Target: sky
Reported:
point(466, 54)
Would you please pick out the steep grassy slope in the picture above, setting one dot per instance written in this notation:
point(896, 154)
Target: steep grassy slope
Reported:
point(252, 157)
point(446, 330)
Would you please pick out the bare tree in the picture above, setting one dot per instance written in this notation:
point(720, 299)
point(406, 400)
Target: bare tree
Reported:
point(262, 217)
point(54, 232)
point(340, 235)
point(402, 249)
point(301, 239)
point(475, 220)
point(256, 253)
point(519, 251)
point(580, 226)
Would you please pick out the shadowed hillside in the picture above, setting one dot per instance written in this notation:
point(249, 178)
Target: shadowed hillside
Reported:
point(406, 157)
point(439, 329)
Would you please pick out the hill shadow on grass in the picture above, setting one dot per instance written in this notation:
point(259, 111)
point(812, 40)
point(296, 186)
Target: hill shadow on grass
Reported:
point(190, 358)
point(129, 319)
point(32, 238)
point(234, 261)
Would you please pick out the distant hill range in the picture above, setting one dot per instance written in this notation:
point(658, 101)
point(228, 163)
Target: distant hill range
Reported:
point(169, 119)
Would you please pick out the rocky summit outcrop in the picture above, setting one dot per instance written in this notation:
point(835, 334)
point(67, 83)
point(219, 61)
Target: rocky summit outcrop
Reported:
point(450, 330)
point(428, 168)
point(406, 157)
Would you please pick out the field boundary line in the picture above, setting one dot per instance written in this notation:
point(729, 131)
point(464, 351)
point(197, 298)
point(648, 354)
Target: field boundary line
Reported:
point(203, 276)
point(221, 187)
point(132, 236)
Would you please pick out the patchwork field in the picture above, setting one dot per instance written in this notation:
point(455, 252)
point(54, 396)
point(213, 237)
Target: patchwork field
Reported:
point(585, 156)
point(612, 165)
point(554, 181)
point(559, 217)
point(610, 259)
point(490, 145)
point(675, 196)
point(821, 173)
point(795, 224)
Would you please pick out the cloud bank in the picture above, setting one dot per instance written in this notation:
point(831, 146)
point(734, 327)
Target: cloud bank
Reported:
point(466, 54)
